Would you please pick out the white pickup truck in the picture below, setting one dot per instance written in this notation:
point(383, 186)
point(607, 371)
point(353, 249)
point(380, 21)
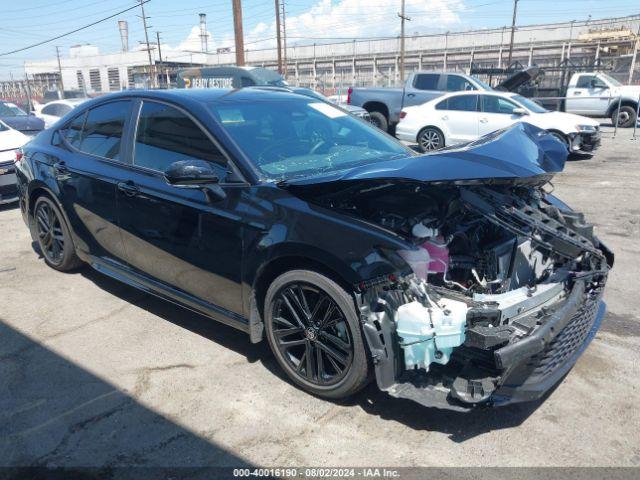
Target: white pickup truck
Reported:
point(596, 94)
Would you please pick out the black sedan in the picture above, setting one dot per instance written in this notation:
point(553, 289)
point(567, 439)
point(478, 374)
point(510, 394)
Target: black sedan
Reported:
point(453, 278)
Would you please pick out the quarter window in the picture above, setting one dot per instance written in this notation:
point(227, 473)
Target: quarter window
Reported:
point(166, 135)
point(102, 132)
point(492, 104)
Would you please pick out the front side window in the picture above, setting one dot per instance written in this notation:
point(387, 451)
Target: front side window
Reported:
point(297, 136)
point(491, 104)
point(102, 132)
point(427, 81)
point(8, 109)
point(456, 83)
point(584, 81)
point(165, 135)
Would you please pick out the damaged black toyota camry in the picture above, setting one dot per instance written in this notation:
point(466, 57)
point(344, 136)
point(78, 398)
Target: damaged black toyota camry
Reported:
point(456, 279)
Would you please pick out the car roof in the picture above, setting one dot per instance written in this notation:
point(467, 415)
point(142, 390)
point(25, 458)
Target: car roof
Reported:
point(203, 95)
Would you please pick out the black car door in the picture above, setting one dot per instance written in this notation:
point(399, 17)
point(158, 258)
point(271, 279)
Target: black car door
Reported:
point(87, 171)
point(181, 237)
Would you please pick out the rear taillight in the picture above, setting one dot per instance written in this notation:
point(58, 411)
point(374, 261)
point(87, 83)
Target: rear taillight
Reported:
point(19, 156)
point(349, 92)
point(403, 114)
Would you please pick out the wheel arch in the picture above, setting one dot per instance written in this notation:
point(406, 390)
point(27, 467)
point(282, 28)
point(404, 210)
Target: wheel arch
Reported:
point(623, 103)
point(376, 106)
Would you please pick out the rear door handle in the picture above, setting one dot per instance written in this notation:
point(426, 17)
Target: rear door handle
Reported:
point(577, 93)
point(484, 120)
point(411, 95)
point(128, 188)
point(445, 118)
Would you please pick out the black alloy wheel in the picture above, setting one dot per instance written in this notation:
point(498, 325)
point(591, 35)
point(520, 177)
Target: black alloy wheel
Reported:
point(312, 334)
point(50, 237)
point(313, 331)
point(53, 237)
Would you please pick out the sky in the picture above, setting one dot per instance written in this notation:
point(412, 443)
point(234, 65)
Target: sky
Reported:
point(308, 21)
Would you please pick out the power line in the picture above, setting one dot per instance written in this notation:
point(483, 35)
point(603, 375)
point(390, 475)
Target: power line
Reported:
point(142, 2)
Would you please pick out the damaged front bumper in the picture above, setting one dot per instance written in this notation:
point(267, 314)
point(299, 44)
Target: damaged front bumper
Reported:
point(585, 141)
point(524, 369)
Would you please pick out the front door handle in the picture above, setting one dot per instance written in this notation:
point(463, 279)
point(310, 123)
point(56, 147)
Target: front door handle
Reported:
point(484, 120)
point(445, 118)
point(411, 95)
point(128, 188)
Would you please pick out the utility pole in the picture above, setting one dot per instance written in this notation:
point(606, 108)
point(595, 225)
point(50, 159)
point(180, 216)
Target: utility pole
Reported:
point(513, 31)
point(403, 18)
point(278, 38)
point(146, 38)
point(60, 73)
point(237, 27)
point(284, 40)
point(26, 79)
point(160, 68)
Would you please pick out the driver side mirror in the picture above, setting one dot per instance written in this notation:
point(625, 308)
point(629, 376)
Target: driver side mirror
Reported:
point(519, 111)
point(195, 174)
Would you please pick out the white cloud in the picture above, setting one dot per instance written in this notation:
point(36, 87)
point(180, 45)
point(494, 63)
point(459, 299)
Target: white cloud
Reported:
point(361, 18)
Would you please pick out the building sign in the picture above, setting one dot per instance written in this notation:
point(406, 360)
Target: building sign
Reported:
point(208, 82)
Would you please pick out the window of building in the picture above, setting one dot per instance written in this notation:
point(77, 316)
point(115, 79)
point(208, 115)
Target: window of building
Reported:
point(113, 75)
point(95, 81)
point(166, 135)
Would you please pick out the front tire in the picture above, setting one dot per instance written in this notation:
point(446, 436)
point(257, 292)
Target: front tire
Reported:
point(430, 139)
point(313, 330)
point(625, 117)
point(53, 236)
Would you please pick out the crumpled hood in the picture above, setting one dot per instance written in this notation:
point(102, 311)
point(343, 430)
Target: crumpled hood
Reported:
point(521, 151)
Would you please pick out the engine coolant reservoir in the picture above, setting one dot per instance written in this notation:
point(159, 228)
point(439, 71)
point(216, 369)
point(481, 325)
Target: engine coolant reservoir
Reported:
point(430, 334)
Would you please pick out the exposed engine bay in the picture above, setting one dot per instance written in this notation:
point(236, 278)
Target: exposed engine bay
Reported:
point(498, 274)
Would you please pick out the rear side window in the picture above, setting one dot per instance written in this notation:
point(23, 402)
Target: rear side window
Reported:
point(426, 81)
point(166, 135)
point(51, 110)
point(456, 83)
point(102, 132)
point(73, 131)
point(460, 103)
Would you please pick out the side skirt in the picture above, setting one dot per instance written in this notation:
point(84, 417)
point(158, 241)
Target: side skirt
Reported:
point(160, 290)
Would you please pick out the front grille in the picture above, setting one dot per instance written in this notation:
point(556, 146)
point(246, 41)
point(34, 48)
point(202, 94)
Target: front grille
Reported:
point(567, 342)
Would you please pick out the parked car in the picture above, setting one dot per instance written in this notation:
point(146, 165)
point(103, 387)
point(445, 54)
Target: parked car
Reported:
point(20, 120)
point(10, 141)
point(596, 94)
point(55, 110)
point(384, 104)
point(353, 110)
point(464, 116)
point(51, 95)
point(453, 278)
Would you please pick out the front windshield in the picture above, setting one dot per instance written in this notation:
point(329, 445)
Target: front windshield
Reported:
point(610, 80)
point(289, 138)
point(8, 109)
point(484, 85)
point(529, 104)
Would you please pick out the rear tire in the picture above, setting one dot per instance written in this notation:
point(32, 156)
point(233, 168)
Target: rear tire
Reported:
point(314, 333)
point(53, 236)
point(430, 139)
point(626, 117)
point(379, 120)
